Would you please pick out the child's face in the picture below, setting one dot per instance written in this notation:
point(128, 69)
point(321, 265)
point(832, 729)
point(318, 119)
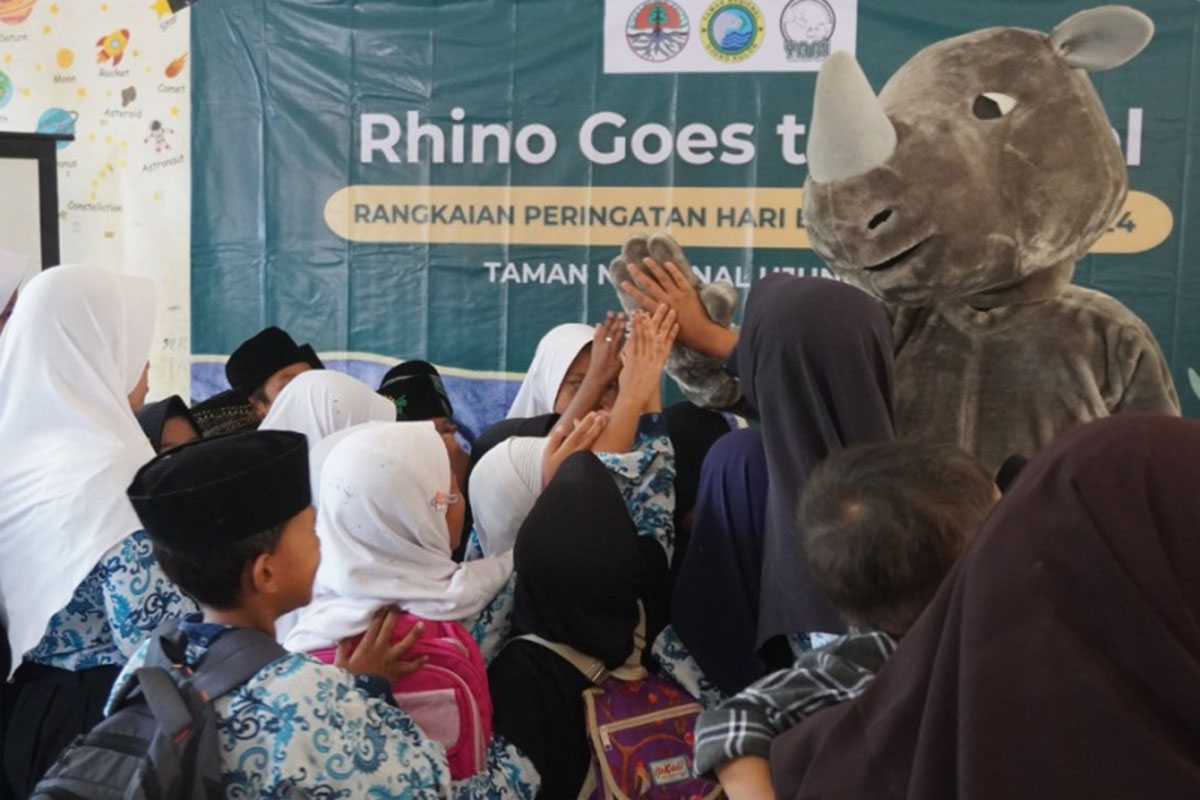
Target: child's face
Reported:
point(295, 560)
point(573, 380)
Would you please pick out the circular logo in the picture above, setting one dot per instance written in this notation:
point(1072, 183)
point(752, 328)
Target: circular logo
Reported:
point(807, 27)
point(733, 29)
point(6, 90)
point(657, 31)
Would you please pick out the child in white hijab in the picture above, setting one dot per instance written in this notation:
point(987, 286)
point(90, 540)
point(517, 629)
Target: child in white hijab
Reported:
point(391, 515)
point(574, 371)
point(321, 402)
point(79, 586)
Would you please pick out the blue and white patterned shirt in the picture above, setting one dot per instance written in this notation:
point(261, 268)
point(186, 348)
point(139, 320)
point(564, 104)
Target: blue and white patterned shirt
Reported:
point(118, 604)
point(646, 478)
point(492, 626)
point(300, 728)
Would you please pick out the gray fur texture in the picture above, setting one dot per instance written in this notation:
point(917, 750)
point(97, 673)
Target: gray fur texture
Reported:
point(702, 380)
point(970, 231)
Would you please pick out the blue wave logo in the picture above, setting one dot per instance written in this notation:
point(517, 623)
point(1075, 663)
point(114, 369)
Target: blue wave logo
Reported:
point(735, 40)
point(733, 30)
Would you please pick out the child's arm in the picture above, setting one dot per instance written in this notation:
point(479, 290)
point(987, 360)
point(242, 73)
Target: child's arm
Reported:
point(746, 778)
point(561, 445)
point(604, 368)
point(645, 355)
point(646, 478)
point(658, 285)
point(137, 594)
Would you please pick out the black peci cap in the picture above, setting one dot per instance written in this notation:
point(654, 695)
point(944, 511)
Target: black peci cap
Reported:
point(264, 354)
point(217, 491)
point(417, 390)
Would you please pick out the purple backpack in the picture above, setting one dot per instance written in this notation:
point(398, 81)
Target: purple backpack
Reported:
point(642, 737)
point(642, 729)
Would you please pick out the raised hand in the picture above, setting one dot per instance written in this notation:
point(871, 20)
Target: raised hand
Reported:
point(645, 356)
point(607, 343)
point(563, 444)
point(665, 284)
point(375, 654)
point(601, 376)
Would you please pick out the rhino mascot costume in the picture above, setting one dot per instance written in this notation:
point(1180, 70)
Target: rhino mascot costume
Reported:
point(962, 196)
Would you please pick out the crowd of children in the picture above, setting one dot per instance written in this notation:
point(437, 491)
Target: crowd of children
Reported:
point(818, 609)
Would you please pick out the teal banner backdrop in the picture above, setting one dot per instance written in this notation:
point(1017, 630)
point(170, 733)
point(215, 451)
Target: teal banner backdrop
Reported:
point(390, 179)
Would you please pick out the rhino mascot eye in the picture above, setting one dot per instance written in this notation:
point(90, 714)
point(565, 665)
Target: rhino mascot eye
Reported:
point(993, 105)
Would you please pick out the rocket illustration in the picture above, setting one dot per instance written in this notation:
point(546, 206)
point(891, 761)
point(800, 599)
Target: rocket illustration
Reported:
point(113, 46)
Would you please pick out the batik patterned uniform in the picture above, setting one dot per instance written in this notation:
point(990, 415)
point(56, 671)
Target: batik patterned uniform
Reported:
point(746, 723)
point(300, 728)
point(645, 477)
point(118, 604)
point(492, 626)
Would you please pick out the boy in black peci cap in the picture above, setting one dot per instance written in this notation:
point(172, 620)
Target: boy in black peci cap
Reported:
point(232, 523)
point(265, 363)
point(417, 390)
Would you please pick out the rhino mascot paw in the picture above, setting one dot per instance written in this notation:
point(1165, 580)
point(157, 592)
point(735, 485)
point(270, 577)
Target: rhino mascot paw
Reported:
point(702, 379)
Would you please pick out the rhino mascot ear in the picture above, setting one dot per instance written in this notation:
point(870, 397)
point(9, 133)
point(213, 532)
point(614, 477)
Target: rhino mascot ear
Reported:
point(1102, 38)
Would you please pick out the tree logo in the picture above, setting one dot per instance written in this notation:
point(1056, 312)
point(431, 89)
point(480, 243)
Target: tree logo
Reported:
point(657, 31)
point(807, 27)
point(733, 29)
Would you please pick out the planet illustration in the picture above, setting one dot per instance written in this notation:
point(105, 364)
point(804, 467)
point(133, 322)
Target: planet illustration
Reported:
point(57, 120)
point(14, 12)
point(65, 58)
point(6, 89)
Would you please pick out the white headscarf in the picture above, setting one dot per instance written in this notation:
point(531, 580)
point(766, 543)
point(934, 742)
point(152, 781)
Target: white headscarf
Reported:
point(69, 443)
point(13, 269)
point(553, 358)
point(384, 538)
point(504, 486)
point(320, 402)
point(321, 450)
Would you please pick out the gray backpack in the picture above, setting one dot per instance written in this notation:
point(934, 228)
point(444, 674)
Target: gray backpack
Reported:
point(160, 742)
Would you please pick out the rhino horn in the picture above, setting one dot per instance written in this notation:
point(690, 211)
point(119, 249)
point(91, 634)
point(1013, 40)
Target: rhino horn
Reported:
point(851, 134)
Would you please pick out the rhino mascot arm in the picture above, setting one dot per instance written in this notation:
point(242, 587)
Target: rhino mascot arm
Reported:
point(1145, 377)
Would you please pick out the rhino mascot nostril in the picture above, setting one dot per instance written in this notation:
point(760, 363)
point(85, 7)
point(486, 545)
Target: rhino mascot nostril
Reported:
point(962, 196)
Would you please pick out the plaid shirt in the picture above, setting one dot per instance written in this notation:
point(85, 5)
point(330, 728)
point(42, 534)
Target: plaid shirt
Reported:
point(745, 724)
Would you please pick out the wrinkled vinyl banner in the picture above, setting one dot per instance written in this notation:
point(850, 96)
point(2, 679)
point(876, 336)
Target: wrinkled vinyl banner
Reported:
point(392, 179)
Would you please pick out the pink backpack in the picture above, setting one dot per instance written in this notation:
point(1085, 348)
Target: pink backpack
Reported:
point(448, 697)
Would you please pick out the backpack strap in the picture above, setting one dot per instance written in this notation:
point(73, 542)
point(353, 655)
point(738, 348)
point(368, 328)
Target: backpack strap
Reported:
point(162, 696)
point(593, 668)
point(234, 659)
